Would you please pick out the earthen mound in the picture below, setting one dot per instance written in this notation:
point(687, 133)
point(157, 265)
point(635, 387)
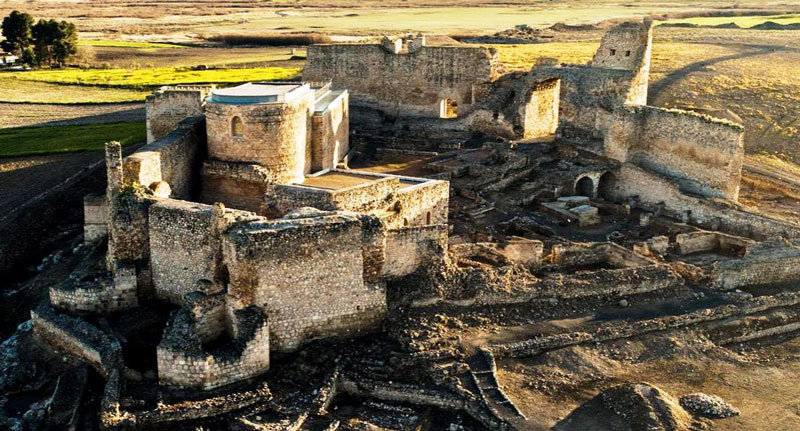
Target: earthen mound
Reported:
point(708, 406)
point(630, 407)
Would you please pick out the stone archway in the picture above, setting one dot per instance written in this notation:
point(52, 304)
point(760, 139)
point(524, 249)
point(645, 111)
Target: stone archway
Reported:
point(606, 186)
point(584, 187)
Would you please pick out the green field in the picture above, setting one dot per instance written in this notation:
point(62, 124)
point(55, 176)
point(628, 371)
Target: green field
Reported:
point(153, 77)
point(119, 85)
point(65, 139)
point(741, 21)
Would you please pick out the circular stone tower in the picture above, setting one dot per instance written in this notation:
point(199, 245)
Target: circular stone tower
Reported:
point(265, 124)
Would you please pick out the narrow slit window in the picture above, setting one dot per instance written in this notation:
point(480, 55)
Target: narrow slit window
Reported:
point(613, 52)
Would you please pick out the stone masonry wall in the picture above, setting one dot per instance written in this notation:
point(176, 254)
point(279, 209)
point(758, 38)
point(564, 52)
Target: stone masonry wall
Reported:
point(656, 192)
point(95, 209)
point(182, 247)
point(540, 113)
point(404, 84)
point(625, 46)
point(702, 154)
point(330, 134)
point(589, 97)
point(184, 363)
point(169, 106)
point(307, 274)
point(174, 159)
point(237, 185)
point(75, 336)
point(408, 248)
point(274, 135)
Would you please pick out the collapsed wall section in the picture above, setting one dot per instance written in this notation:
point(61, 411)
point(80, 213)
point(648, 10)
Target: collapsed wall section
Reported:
point(703, 155)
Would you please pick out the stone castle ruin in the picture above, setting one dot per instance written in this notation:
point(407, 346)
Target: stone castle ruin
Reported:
point(243, 218)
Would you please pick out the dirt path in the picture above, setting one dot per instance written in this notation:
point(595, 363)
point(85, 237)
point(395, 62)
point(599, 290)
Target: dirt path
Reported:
point(38, 114)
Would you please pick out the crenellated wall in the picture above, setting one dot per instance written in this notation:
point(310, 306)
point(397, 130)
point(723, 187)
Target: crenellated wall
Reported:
point(703, 155)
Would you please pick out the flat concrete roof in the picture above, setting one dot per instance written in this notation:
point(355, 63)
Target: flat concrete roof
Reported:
point(257, 92)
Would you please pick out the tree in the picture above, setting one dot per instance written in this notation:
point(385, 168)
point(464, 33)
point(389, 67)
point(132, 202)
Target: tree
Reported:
point(54, 41)
point(17, 32)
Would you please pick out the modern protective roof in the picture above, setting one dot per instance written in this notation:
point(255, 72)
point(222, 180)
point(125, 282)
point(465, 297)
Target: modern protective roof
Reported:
point(251, 93)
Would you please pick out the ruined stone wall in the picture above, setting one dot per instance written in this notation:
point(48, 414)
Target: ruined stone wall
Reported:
point(703, 155)
point(274, 135)
point(237, 185)
point(174, 159)
point(409, 247)
point(404, 84)
point(576, 255)
point(705, 241)
point(407, 204)
point(184, 363)
point(540, 112)
point(307, 274)
point(183, 249)
point(77, 337)
point(625, 46)
point(655, 192)
point(105, 296)
point(95, 209)
point(589, 97)
point(330, 134)
point(170, 105)
point(423, 204)
point(770, 263)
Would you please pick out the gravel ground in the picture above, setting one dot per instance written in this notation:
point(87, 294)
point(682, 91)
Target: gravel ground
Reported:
point(31, 114)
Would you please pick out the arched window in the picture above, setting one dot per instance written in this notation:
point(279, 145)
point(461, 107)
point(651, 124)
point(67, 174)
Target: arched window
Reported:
point(237, 127)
